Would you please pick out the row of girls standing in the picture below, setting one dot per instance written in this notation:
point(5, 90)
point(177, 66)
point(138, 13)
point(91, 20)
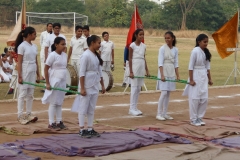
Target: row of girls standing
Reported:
point(199, 75)
point(90, 74)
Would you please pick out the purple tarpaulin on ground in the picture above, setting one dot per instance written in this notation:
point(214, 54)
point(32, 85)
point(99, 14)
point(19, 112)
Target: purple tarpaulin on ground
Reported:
point(108, 143)
point(233, 142)
point(9, 152)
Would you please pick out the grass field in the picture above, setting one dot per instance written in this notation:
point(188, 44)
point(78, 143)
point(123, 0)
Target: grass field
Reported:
point(220, 68)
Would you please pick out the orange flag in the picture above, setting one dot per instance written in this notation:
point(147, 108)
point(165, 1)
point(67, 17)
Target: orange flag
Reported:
point(136, 23)
point(20, 25)
point(226, 36)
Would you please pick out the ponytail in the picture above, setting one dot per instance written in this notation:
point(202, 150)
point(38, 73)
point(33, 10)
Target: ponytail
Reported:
point(23, 34)
point(199, 38)
point(57, 40)
point(173, 36)
point(91, 39)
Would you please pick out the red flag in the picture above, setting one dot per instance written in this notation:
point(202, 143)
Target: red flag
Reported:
point(20, 25)
point(136, 23)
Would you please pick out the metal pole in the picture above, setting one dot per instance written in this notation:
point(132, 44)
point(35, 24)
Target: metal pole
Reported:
point(135, 14)
point(235, 62)
point(16, 17)
point(28, 21)
point(74, 23)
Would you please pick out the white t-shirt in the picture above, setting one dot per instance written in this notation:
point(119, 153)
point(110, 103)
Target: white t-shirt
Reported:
point(138, 51)
point(106, 50)
point(29, 51)
point(50, 41)
point(78, 46)
point(43, 37)
point(6, 65)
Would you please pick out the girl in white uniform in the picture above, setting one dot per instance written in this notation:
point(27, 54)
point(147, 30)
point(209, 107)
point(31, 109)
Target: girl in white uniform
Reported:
point(137, 67)
point(27, 70)
point(167, 69)
point(55, 75)
point(199, 78)
point(90, 75)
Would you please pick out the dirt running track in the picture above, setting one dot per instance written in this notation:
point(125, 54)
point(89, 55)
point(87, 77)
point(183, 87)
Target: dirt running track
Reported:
point(113, 110)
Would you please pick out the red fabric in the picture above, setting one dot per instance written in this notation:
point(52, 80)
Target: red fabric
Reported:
point(136, 23)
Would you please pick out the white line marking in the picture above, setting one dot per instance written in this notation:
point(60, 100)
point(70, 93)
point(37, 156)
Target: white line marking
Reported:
point(178, 100)
point(216, 107)
point(122, 117)
point(224, 96)
point(151, 103)
point(120, 105)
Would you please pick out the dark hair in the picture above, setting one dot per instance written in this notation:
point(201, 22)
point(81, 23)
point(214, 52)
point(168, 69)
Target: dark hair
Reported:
point(5, 50)
point(78, 27)
point(23, 34)
point(49, 24)
point(199, 38)
point(103, 33)
point(94, 38)
point(86, 27)
point(135, 34)
point(56, 25)
point(3, 55)
point(173, 36)
point(57, 40)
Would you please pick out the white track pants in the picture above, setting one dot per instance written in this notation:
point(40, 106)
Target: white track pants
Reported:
point(87, 107)
point(28, 95)
point(54, 110)
point(163, 103)
point(76, 64)
point(135, 91)
point(42, 58)
point(197, 108)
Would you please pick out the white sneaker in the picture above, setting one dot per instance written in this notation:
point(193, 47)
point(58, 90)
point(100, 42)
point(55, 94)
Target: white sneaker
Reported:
point(195, 123)
point(133, 112)
point(168, 117)
point(22, 120)
point(31, 118)
point(140, 112)
point(161, 118)
point(201, 122)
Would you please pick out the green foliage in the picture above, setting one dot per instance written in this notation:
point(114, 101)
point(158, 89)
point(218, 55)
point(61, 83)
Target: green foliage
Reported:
point(115, 15)
point(205, 15)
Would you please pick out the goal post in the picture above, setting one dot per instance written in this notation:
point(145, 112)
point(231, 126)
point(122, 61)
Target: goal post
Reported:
point(69, 19)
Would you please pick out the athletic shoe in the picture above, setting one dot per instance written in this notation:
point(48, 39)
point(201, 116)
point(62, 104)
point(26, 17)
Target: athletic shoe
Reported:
point(195, 123)
point(22, 119)
point(61, 125)
point(54, 127)
point(134, 112)
point(140, 112)
point(161, 118)
point(201, 122)
point(84, 134)
point(31, 118)
point(10, 91)
point(168, 117)
point(93, 133)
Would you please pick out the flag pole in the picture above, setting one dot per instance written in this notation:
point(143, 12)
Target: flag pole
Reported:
point(135, 14)
point(235, 61)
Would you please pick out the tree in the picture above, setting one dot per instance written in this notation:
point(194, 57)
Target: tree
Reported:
point(206, 15)
point(8, 9)
point(186, 7)
point(116, 16)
